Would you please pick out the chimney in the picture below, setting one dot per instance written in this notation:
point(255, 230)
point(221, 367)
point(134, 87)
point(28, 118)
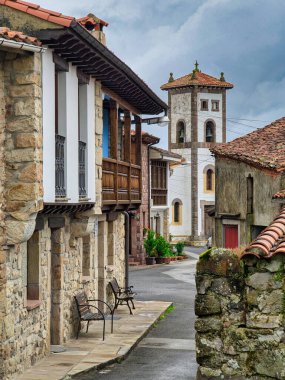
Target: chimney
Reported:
point(95, 26)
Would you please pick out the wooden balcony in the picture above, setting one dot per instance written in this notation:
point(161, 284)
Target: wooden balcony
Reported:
point(121, 184)
point(159, 197)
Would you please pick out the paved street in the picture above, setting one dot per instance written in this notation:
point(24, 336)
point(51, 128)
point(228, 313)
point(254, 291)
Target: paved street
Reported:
point(168, 352)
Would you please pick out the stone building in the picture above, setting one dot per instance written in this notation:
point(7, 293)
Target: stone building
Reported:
point(197, 112)
point(161, 167)
point(249, 173)
point(64, 203)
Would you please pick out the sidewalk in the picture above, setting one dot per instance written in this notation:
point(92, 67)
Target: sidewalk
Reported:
point(90, 352)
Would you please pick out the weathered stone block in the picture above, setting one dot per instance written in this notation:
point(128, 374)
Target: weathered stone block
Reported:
point(255, 319)
point(269, 363)
point(28, 140)
point(203, 283)
point(263, 281)
point(22, 192)
point(207, 324)
point(207, 304)
point(220, 263)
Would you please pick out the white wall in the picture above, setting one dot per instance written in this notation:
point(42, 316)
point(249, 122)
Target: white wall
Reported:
point(48, 83)
point(91, 167)
point(204, 159)
point(180, 188)
point(67, 127)
point(203, 116)
point(181, 110)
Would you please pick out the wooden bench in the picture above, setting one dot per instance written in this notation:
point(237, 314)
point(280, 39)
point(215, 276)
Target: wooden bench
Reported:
point(123, 296)
point(88, 312)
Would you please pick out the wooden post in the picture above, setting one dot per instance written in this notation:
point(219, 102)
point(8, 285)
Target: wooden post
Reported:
point(127, 135)
point(138, 122)
point(114, 142)
point(127, 149)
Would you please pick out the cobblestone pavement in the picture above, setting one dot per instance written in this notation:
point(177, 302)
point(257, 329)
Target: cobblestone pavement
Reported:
point(168, 352)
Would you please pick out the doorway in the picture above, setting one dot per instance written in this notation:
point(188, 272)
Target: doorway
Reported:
point(231, 236)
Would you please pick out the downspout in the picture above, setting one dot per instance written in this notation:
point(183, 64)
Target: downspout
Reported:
point(21, 45)
point(127, 246)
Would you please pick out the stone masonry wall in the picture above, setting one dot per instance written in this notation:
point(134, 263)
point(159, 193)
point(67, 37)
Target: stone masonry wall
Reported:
point(240, 308)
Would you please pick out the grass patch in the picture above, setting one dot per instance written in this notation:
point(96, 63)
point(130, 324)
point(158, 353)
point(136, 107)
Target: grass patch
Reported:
point(167, 311)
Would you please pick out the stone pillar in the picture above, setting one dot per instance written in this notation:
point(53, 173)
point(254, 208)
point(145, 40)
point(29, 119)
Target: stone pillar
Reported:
point(102, 259)
point(57, 284)
point(219, 306)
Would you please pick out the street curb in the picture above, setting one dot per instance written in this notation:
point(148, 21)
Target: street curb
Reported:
point(120, 358)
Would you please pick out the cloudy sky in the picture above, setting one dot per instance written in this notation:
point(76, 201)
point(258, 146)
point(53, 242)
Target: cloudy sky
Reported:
point(243, 38)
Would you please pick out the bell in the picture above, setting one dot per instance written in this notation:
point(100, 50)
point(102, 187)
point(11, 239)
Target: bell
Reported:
point(209, 133)
point(181, 134)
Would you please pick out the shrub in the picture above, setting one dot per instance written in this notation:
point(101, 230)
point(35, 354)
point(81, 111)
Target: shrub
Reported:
point(150, 243)
point(179, 248)
point(162, 247)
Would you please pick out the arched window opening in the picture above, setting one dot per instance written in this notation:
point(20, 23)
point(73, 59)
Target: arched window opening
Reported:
point(176, 212)
point(210, 132)
point(209, 180)
point(180, 129)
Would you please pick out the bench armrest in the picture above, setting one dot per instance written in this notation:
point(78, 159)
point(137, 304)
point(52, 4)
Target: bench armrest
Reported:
point(105, 303)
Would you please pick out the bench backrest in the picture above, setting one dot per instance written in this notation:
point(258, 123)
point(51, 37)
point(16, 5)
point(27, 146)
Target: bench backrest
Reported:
point(81, 299)
point(114, 286)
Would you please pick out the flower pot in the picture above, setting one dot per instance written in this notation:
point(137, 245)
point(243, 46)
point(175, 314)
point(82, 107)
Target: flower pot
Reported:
point(166, 260)
point(150, 260)
point(159, 260)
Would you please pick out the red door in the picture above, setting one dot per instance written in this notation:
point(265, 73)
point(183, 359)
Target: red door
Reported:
point(230, 236)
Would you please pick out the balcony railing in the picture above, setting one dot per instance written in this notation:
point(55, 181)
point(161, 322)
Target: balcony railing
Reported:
point(60, 190)
point(159, 197)
point(121, 183)
point(82, 169)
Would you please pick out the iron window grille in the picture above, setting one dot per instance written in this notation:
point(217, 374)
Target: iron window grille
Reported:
point(60, 190)
point(82, 169)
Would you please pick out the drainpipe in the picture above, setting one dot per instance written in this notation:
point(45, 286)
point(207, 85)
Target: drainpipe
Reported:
point(127, 246)
point(21, 45)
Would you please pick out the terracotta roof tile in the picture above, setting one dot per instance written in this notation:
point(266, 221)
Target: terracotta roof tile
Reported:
point(263, 148)
point(279, 195)
point(91, 19)
point(167, 152)
point(37, 11)
point(271, 240)
point(200, 79)
point(18, 37)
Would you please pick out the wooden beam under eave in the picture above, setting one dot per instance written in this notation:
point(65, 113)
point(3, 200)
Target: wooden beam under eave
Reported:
point(122, 103)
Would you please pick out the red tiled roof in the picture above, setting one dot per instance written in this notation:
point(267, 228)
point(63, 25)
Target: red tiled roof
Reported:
point(200, 79)
point(37, 11)
point(263, 148)
point(147, 138)
point(279, 195)
point(18, 37)
point(167, 152)
point(271, 240)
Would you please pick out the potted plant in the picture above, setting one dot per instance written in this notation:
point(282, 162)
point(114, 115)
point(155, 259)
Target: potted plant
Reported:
point(149, 245)
point(179, 250)
point(162, 249)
